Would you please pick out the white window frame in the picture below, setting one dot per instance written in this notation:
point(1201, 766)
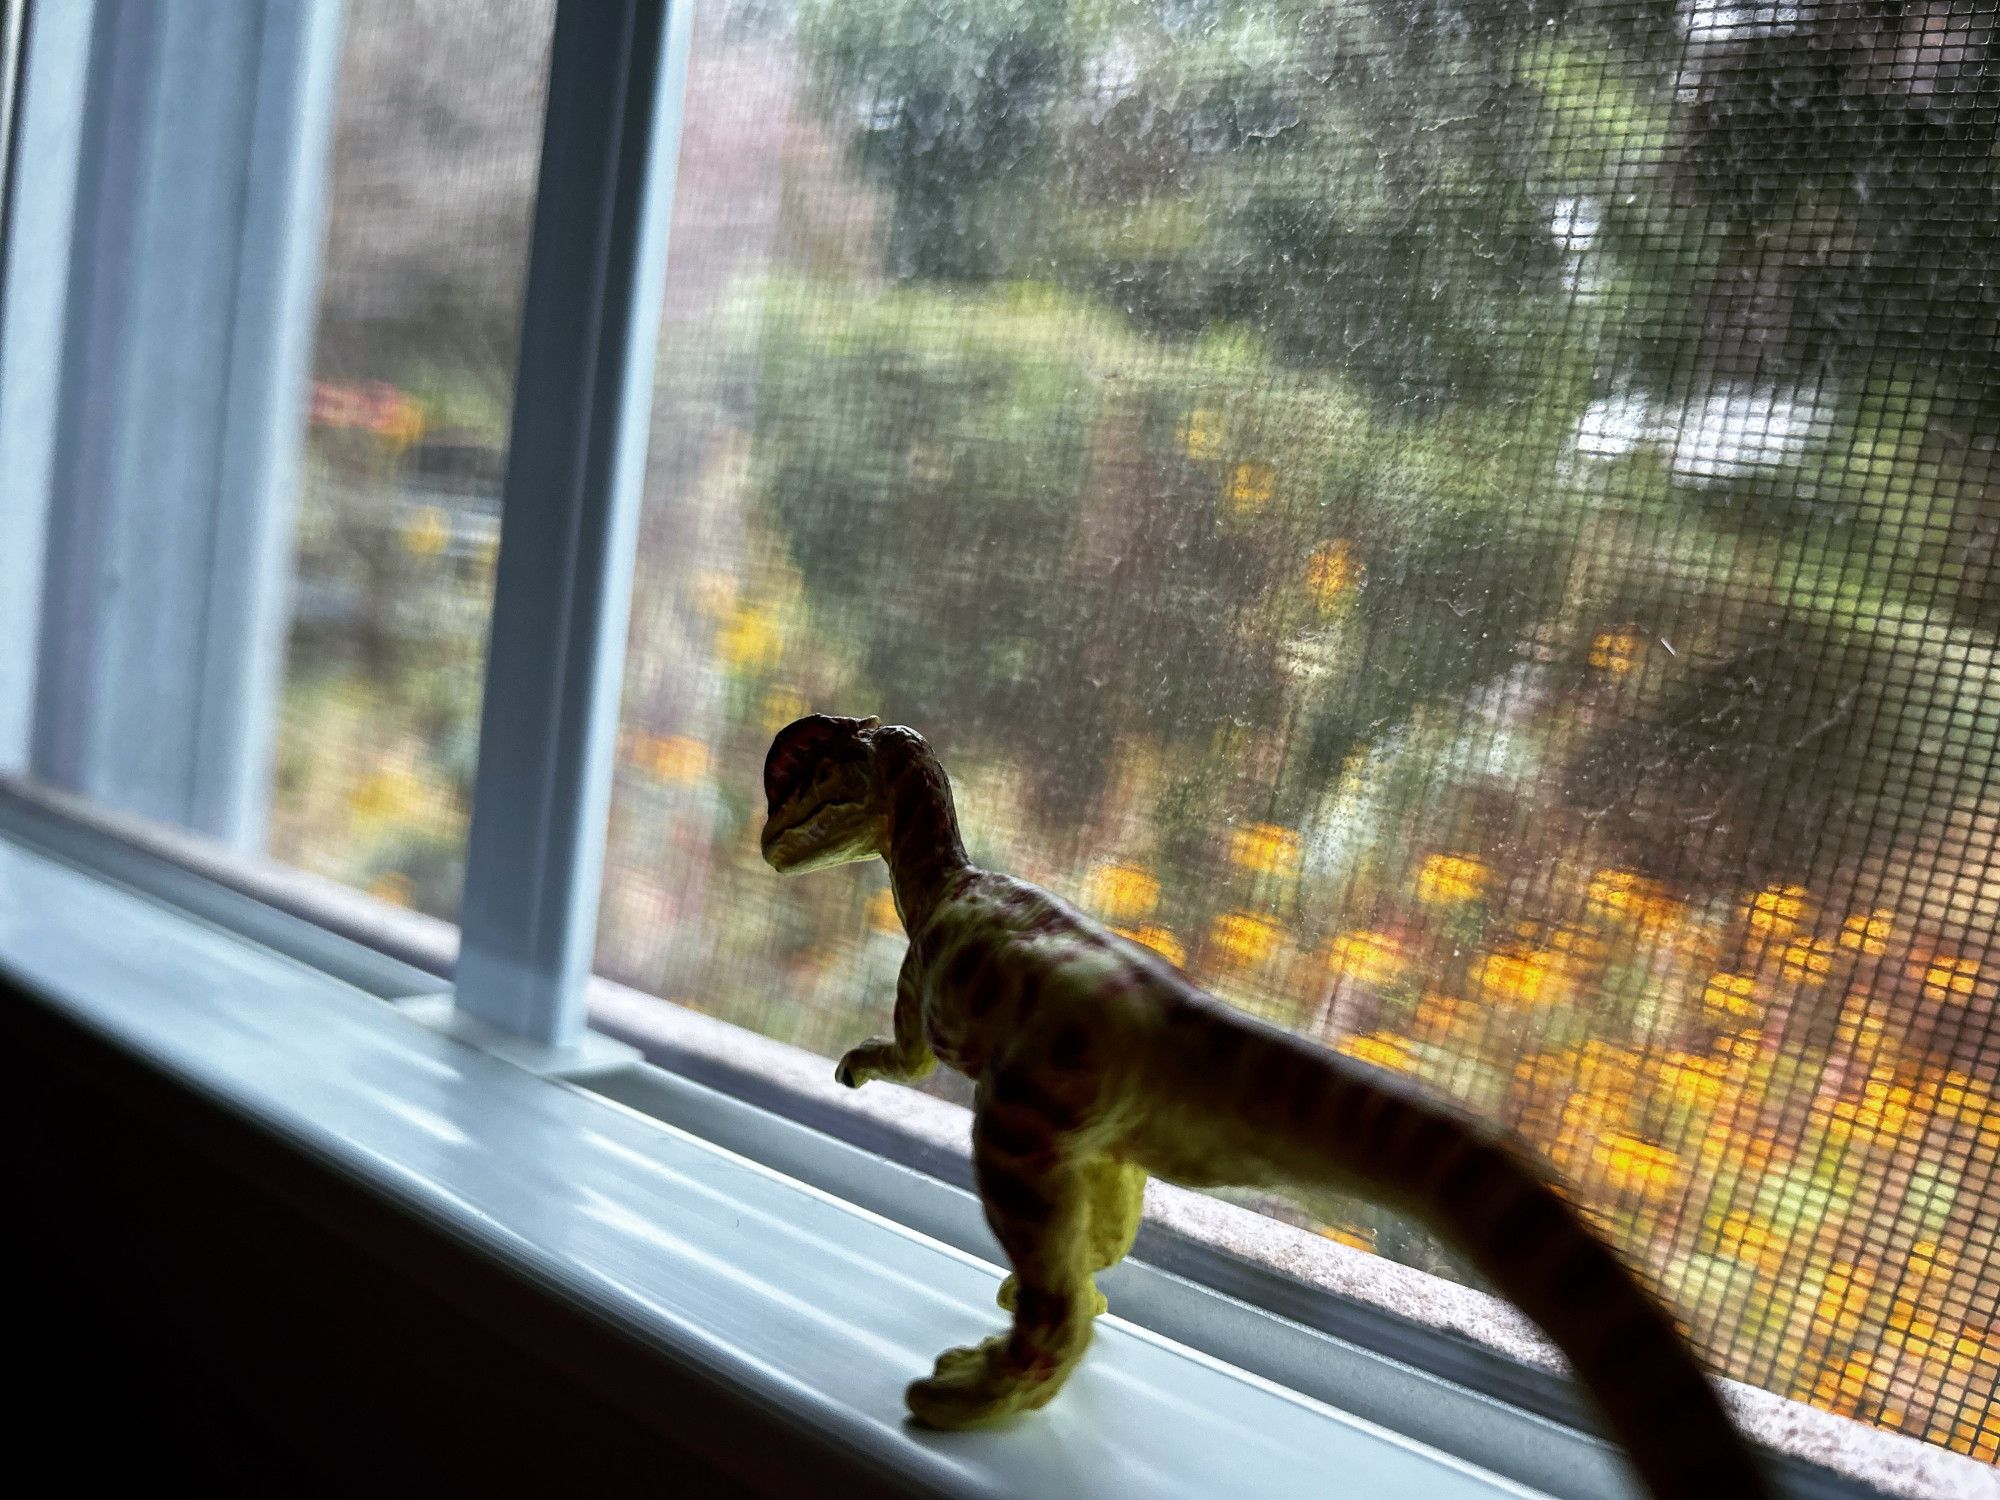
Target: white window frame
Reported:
point(159, 293)
point(548, 732)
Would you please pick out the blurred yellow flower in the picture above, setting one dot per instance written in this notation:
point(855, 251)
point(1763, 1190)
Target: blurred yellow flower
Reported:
point(394, 887)
point(1159, 939)
point(1200, 433)
point(1532, 976)
point(1354, 1239)
point(424, 531)
point(1859, 1027)
point(1977, 1437)
point(402, 424)
point(782, 706)
point(1880, 1118)
point(1846, 1389)
point(1778, 910)
point(1452, 879)
point(1748, 1238)
point(1868, 932)
point(1911, 1328)
point(1951, 978)
point(1754, 1151)
point(1843, 1299)
point(882, 913)
point(396, 795)
point(1745, 1047)
point(1381, 1049)
point(1628, 896)
point(1615, 892)
point(1971, 1347)
point(1962, 1099)
point(1370, 958)
point(749, 639)
point(1662, 919)
point(1617, 651)
point(1692, 1080)
point(1444, 1017)
point(1866, 1037)
point(1717, 1139)
point(1606, 1065)
point(1268, 849)
point(1632, 1165)
point(1928, 1258)
point(679, 759)
point(1122, 892)
point(1806, 960)
point(1731, 997)
point(1243, 939)
point(1331, 572)
point(1580, 948)
point(1587, 1113)
point(1250, 487)
point(1547, 1072)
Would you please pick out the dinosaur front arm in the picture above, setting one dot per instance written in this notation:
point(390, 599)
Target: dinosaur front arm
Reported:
point(906, 1056)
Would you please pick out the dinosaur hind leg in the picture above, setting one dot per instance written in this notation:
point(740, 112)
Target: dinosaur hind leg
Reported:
point(1117, 1197)
point(1035, 1189)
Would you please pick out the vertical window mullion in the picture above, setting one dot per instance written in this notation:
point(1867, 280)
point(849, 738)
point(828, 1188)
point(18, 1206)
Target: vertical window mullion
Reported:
point(161, 254)
point(44, 124)
point(13, 18)
point(576, 464)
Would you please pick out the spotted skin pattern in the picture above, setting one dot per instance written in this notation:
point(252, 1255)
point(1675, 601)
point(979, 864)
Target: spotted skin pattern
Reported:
point(1095, 1064)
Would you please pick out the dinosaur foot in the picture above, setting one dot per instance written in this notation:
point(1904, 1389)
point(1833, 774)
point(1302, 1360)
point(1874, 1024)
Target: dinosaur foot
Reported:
point(973, 1386)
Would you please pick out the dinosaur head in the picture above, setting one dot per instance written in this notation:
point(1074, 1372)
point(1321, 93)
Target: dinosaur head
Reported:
point(825, 806)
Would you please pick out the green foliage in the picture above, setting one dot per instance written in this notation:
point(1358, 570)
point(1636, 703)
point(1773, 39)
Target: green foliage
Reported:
point(952, 102)
point(1103, 544)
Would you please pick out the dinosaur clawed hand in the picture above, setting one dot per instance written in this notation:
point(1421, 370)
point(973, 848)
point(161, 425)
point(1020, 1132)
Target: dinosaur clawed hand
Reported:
point(859, 1064)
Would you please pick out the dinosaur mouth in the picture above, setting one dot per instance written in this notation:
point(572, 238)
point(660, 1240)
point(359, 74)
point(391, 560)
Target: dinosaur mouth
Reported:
point(788, 841)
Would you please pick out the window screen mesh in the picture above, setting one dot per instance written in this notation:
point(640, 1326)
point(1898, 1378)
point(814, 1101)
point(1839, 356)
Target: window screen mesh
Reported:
point(430, 191)
point(1470, 527)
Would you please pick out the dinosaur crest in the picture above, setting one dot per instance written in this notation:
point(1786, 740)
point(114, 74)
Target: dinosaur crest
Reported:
point(804, 744)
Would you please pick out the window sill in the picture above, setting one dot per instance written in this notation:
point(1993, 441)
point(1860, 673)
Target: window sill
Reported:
point(804, 1309)
point(1388, 1308)
point(643, 1221)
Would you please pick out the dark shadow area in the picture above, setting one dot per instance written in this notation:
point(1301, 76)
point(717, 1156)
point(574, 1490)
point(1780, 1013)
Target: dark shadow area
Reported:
point(197, 1302)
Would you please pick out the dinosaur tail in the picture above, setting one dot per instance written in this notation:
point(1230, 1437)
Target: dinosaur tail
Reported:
point(1312, 1118)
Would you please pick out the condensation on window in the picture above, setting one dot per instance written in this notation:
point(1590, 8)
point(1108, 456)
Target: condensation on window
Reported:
point(1471, 528)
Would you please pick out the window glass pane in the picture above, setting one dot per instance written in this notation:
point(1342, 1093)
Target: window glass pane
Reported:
point(430, 202)
point(1469, 527)
point(279, 655)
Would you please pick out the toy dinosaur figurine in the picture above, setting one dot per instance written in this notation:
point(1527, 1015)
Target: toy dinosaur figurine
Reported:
point(1096, 1062)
